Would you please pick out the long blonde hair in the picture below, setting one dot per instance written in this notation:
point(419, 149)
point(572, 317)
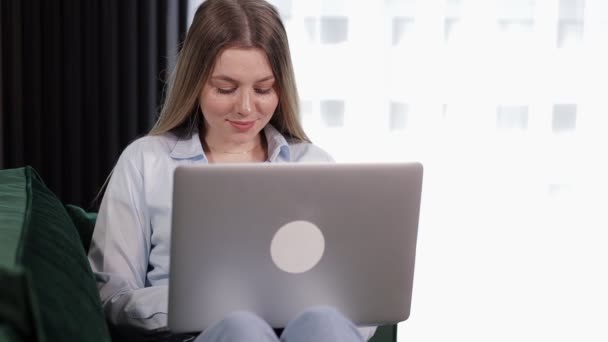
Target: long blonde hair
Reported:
point(217, 25)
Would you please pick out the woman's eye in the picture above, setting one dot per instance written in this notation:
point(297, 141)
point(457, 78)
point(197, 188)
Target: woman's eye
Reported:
point(263, 91)
point(226, 90)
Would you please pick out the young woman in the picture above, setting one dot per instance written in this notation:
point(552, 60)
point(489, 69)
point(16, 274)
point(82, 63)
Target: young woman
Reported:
point(232, 98)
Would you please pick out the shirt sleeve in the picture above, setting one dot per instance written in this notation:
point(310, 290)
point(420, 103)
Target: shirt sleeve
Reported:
point(367, 332)
point(120, 250)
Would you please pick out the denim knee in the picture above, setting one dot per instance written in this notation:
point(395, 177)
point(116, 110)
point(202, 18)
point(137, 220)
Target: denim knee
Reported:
point(239, 326)
point(321, 323)
point(321, 314)
point(239, 319)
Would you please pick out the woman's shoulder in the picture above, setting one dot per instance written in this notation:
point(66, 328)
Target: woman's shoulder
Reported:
point(303, 151)
point(146, 159)
point(148, 148)
point(155, 144)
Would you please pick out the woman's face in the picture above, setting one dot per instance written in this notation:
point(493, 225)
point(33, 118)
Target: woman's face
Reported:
point(239, 97)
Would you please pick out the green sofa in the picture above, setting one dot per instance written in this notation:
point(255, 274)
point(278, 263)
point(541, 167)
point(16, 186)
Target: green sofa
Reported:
point(47, 290)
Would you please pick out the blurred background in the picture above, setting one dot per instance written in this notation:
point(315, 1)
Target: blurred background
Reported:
point(80, 80)
point(503, 101)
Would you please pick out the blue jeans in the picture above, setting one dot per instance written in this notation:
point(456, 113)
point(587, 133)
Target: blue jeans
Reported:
point(318, 324)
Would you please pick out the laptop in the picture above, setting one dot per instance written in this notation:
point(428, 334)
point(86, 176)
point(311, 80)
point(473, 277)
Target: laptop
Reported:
point(276, 239)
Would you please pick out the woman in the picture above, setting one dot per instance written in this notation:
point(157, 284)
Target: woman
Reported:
point(232, 99)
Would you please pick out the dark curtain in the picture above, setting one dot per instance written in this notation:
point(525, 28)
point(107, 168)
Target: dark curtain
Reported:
point(80, 80)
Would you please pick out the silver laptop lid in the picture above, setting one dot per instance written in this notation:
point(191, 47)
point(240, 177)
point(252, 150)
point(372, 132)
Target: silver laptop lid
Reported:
point(276, 239)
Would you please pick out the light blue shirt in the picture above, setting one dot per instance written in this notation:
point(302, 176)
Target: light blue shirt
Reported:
point(129, 252)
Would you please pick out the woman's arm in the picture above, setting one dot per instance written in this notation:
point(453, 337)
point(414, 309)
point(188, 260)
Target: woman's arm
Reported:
point(120, 250)
point(367, 332)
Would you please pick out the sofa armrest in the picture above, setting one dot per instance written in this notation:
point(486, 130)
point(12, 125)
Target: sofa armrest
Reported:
point(385, 333)
point(50, 294)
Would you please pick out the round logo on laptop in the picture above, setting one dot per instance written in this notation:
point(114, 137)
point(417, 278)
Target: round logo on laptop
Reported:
point(297, 247)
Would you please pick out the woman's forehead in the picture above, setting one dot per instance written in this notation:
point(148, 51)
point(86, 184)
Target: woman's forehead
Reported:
point(242, 64)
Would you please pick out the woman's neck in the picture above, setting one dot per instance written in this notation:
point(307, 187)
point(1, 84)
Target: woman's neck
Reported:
point(219, 145)
point(256, 151)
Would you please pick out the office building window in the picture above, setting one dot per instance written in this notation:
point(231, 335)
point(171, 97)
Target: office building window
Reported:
point(310, 26)
point(402, 28)
point(514, 118)
point(564, 118)
point(284, 7)
point(570, 25)
point(516, 152)
point(515, 21)
point(452, 21)
point(326, 29)
point(402, 16)
point(398, 116)
point(332, 113)
point(334, 30)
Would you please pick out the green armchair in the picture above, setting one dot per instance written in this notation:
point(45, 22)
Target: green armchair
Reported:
point(47, 289)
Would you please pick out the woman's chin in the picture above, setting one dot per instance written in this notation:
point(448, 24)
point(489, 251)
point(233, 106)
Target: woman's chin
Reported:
point(237, 136)
point(244, 137)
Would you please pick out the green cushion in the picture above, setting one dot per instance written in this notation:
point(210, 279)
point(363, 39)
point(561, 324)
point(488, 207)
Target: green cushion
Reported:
point(8, 334)
point(84, 222)
point(18, 319)
point(44, 263)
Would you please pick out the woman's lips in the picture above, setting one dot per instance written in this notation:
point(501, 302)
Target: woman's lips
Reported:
point(242, 125)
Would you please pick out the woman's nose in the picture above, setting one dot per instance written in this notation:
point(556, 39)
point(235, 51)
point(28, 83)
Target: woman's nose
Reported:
point(246, 103)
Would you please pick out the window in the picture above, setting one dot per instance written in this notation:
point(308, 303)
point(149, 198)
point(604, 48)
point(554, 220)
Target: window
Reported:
point(334, 30)
point(402, 28)
point(509, 118)
point(402, 14)
point(332, 113)
point(512, 118)
point(452, 21)
point(310, 24)
point(398, 116)
point(564, 118)
point(570, 23)
point(285, 8)
point(515, 21)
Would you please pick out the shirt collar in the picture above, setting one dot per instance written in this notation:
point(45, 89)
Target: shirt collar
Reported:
point(190, 147)
point(278, 147)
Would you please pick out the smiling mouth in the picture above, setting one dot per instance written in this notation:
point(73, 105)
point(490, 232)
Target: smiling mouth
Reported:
point(242, 125)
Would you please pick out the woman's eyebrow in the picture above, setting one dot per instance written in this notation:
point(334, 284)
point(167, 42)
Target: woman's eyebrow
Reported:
point(223, 78)
point(232, 80)
point(267, 78)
